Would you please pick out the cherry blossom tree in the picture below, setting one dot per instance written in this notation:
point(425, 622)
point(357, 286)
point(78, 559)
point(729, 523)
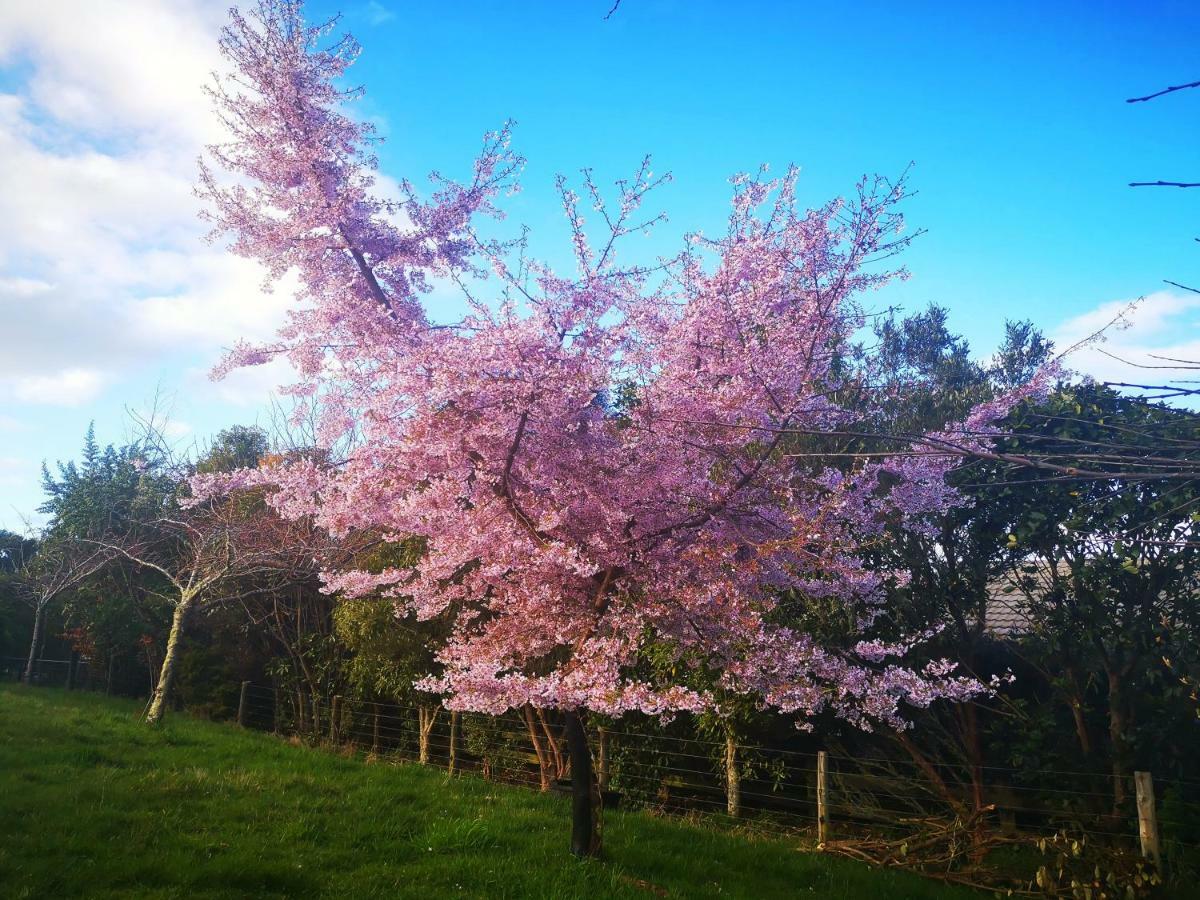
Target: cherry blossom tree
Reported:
point(596, 462)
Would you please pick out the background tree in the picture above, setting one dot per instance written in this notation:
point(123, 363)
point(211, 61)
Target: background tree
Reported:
point(1106, 572)
point(106, 495)
point(208, 553)
point(930, 377)
point(15, 550)
point(59, 565)
point(387, 655)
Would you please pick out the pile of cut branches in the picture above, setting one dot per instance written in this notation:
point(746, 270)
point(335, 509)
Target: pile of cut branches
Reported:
point(957, 850)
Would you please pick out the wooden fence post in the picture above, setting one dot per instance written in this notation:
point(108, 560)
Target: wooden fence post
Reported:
point(375, 730)
point(1147, 818)
point(277, 702)
point(452, 766)
point(335, 719)
point(602, 760)
point(822, 799)
point(733, 777)
point(241, 713)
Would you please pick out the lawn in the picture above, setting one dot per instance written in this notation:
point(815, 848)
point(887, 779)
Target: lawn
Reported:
point(94, 804)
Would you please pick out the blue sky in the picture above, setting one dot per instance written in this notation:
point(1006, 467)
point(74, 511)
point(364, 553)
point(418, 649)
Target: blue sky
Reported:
point(1013, 114)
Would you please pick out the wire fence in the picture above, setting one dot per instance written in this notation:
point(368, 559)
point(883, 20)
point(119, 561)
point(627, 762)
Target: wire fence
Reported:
point(885, 809)
point(64, 673)
point(126, 677)
point(773, 790)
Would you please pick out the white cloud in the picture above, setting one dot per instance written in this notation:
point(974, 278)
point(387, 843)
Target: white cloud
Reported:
point(377, 13)
point(11, 424)
point(102, 267)
point(1139, 339)
point(15, 471)
point(126, 69)
point(69, 387)
point(24, 288)
point(249, 388)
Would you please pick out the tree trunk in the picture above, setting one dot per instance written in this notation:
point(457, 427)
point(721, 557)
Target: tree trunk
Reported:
point(585, 835)
point(935, 779)
point(538, 750)
point(452, 765)
point(162, 693)
point(969, 723)
point(1117, 733)
point(602, 761)
point(562, 764)
point(733, 778)
point(38, 621)
point(970, 726)
point(1075, 698)
point(1081, 727)
point(426, 716)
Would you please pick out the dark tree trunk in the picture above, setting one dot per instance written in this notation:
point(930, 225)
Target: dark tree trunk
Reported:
point(935, 779)
point(1118, 733)
point(974, 749)
point(1075, 698)
point(585, 836)
point(1081, 727)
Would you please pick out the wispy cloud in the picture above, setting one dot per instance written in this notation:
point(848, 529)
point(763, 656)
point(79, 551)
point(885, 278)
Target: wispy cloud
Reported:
point(1138, 347)
point(377, 13)
point(68, 387)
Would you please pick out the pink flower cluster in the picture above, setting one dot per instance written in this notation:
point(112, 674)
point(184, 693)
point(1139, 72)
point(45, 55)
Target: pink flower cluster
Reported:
point(597, 460)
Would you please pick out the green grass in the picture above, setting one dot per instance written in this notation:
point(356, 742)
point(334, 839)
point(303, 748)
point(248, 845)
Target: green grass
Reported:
point(94, 804)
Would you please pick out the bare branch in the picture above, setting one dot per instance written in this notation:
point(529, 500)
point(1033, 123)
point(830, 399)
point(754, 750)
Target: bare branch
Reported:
point(1178, 184)
point(1163, 92)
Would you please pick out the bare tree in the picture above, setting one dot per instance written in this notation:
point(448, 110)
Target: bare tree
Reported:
point(215, 553)
point(55, 567)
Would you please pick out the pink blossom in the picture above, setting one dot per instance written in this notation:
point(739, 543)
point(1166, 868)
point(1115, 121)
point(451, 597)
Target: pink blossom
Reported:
point(595, 461)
